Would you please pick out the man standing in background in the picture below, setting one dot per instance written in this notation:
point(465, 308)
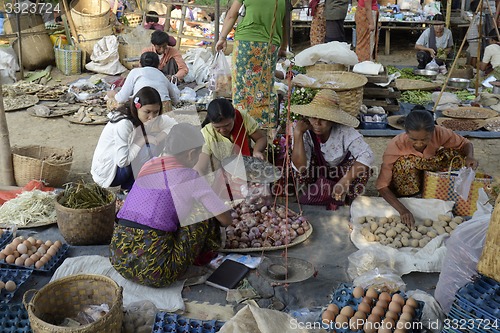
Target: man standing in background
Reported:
point(335, 12)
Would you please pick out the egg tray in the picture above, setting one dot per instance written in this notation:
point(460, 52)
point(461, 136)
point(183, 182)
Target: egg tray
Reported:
point(5, 239)
point(19, 276)
point(464, 321)
point(481, 298)
point(342, 296)
point(49, 267)
point(173, 323)
point(14, 319)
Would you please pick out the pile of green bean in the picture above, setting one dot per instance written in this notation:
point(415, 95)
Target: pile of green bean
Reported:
point(418, 97)
point(82, 195)
point(406, 73)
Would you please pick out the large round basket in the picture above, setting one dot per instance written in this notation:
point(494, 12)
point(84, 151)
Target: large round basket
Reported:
point(90, 14)
point(35, 162)
point(66, 297)
point(88, 37)
point(91, 226)
point(325, 68)
point(348, 86)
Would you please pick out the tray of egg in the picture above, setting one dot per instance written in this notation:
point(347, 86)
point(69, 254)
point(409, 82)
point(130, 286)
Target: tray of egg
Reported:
point(356, 310)
point(14, 319)
point(5, 237)
point(10, 281)
point(33, 254)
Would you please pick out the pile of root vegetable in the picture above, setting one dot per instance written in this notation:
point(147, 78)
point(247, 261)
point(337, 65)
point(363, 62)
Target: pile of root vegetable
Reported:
point(265, 227)
point(390, 231)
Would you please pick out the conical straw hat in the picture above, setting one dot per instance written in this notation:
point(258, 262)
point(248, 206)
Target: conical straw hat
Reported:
point(325, 105)
point(397, 122)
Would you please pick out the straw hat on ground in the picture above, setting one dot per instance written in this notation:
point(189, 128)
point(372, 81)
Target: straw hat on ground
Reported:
point(397, 122)
point(325, 105)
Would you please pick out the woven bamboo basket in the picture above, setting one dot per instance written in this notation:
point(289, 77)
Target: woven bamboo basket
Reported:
point(325, 68)
point(489, 263)
point(66, 297)
point(90, 14)
point(93, 226)
point(31, 162)
point(348, 86)
point(133, 19)
point(88, 37)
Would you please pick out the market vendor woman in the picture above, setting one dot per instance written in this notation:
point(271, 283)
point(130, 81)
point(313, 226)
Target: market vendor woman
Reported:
point(409, 154)
point(435, 42)
point(326, 146)
point(163, 226)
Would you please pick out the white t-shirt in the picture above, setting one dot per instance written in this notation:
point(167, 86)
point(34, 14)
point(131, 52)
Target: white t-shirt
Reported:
point(139, 78)
point(343, 139)
point(443, 42)
point(116, 148)
point(492, 55)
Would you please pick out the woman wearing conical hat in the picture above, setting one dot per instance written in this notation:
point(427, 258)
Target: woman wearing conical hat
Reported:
point(330, 157)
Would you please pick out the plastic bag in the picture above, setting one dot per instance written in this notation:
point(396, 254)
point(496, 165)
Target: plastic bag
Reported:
point(464, 249)
point(92, 313)
point(382, 279)
point(139, 317)
point(188, 95)
point(105, 58)
point(432, 66)
point(464, 181)
point(220, 76)
point(365, 260)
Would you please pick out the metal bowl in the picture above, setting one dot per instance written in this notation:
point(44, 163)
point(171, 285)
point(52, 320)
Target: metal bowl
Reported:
point(427, 73)
point(458, 82)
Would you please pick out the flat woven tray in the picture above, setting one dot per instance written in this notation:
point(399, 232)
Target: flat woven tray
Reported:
point(469, 112)
point(411, 84)
point(296, 241)
point(98, 120)
point(32, 224)
point(19, 102)
point(55, 112)
point(492, 124)
point(457, 124)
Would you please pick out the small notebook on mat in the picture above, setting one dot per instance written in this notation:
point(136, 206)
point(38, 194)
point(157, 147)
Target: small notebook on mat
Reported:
point(228, 275)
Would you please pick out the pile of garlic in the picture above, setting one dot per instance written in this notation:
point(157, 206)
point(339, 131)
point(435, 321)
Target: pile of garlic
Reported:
point(390, 231)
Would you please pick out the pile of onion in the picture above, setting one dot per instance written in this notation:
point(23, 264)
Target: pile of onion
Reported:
point(267, 226)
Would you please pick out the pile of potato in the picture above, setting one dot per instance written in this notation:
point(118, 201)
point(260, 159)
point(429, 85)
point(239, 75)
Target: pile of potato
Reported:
point(390, 231)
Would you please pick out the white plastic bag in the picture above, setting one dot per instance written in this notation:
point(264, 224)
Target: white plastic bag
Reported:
point(381, 280)
point(464, 181)
point(188, 95)
point(105, 58)
point(464, 249)
point(220, 76)
point(432, 66)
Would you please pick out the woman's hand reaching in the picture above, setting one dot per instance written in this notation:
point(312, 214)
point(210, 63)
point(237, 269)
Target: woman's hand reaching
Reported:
point(258, 154)
point(407, 218)
point(471, 162)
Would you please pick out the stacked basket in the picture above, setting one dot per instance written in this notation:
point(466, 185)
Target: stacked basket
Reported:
point(92, 22)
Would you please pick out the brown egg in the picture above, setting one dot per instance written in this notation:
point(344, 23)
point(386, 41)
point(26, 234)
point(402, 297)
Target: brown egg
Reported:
point(24, 256)
point(39, 242)
point(327, 317)
point(48, 243)
point(16, 242)
point(58, 244)
point(27, 243)
point(358, 292)
point(379, 311)
point(2, 256)
point(10, 286)
point(398, 299)
point(372, 293)
point(33, 249)
point(39, 264)
point(22, 248)
point(334, 308)
point(406, 317)
point(19, 261)
point(402, 325)
point(373, 318)
point(371, 323)
point(408, 309)
point(2, 285)
point(347, 311)
point(42, 250)
point(394, 316)
point(342, 320)
point(383, 304)
point(52, 251)
point(394, 307)
point(384, 329)
point(29, 262)
point(35, 257)
point(363, 307)
point(360, 314)
point(411, 302)
point(367, 300)
point(10, 259)
point(43, 260)
point(388, 322)
point(32, 240)
point(356, 323)
point(385, 296)
point(8, 250)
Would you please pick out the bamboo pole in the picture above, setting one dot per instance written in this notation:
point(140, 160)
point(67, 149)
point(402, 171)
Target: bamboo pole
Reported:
point(216, 24)
point(19, 43)
point(70, 22)
point(6, 169)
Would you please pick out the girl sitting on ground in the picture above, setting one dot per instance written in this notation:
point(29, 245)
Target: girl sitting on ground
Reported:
point(131, 137)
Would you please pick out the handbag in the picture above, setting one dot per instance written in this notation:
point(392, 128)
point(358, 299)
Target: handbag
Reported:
point(440, 185)
point(323, 187)
point(68, 58)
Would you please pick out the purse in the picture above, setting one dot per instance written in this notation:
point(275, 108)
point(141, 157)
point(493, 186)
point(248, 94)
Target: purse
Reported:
point(440, 185)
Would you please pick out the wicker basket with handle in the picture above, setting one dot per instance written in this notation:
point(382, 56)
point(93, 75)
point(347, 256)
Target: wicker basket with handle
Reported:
point(66, 297)
point(92, 226)
point(489, 263)
point(90, 14)
point(348, 86)
point(34, 162)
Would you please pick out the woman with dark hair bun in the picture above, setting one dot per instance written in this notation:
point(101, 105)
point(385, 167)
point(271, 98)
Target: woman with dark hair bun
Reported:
point(148, 75)
point(423, 147)
point(130, 138)
point(228, 131)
